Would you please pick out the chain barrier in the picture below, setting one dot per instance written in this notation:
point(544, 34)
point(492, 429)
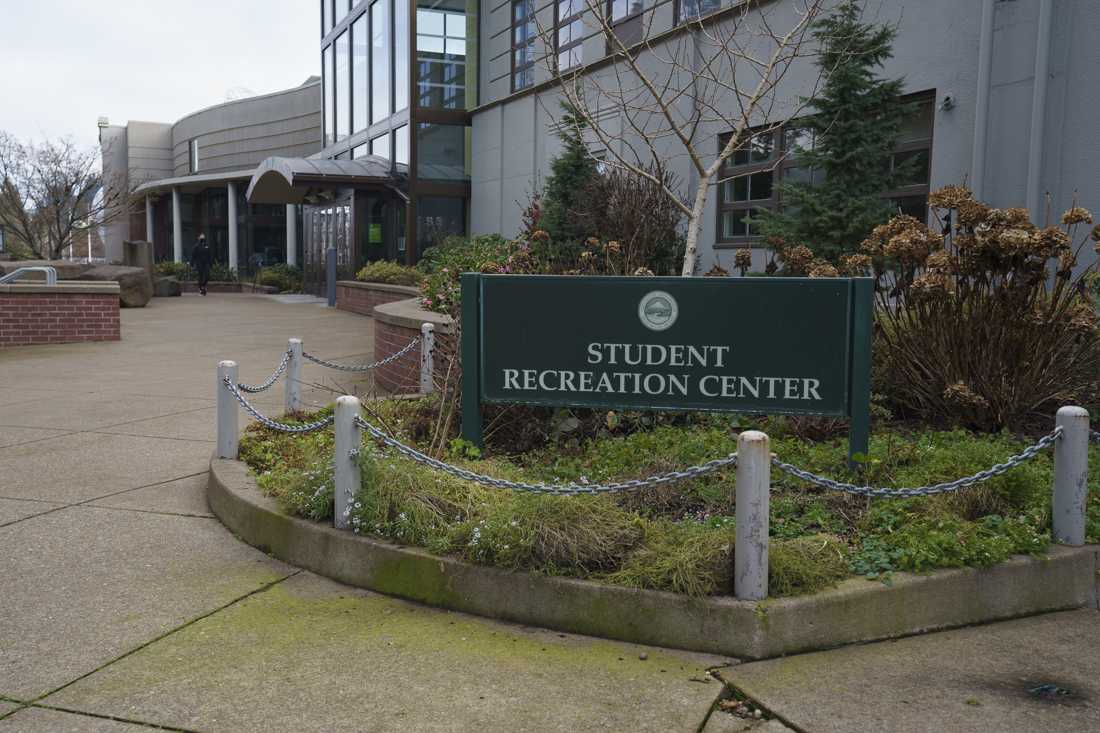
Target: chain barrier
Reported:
point(560, 489)
point(270, 380)
point(826, 483)
point(363, 367)
point(268, 422)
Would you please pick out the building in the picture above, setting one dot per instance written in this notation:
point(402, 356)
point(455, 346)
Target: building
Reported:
point(191, 178)
point(438, 117)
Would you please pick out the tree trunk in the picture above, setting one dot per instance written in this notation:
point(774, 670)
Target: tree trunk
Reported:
point(691, 251)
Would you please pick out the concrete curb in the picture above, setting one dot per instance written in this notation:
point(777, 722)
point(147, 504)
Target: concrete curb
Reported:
point(855, 611)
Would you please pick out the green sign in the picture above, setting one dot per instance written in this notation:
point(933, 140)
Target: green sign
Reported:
point(753, 345)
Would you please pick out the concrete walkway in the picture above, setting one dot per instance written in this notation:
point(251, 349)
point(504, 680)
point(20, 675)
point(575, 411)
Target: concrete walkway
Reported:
point(124, 605)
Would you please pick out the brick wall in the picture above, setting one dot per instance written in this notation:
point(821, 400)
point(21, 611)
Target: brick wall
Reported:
point(402, 376)
point(57, 317)
point(361, 298)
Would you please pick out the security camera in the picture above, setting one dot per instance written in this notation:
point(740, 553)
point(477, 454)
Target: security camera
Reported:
point(948, 103)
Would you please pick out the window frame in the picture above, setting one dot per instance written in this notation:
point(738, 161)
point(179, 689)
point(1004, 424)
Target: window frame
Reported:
point(527, 42)
point(783, 161)
point(193, 155)
point(680, 19)
point(561, 23)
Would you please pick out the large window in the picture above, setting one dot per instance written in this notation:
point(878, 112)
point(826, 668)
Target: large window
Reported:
point(442, 152)
point(193, 155)
point(400, 55)
point(751, 174)
point(401, 145)
point(438, 217)
point(329, 87)
point(693, 9)
point(380, 146)
point(441, 54)
point(380, 51)
point(343, 87)
point(524, 32)
point(630, 19)
point(326, 16)
point(570, 33)
point(360, 76)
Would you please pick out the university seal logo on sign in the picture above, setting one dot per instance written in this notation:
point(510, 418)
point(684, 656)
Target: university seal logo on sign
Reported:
point(658, 310)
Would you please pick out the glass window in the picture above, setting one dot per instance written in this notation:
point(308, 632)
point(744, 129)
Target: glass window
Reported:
point(631, 25)
point(380, 146)
point(570, 34)
point(749, 186)
point(359, 151)
point(441, 54)
point(360, 80)
point(692, 9)
point(380, 60)
point(329, 117)
point(326, 16)
point(401, 145)
point(343, 86)
point(438, 217)
point(401, 55)
point(193, 155)
point(442, 152)
point(524, 32)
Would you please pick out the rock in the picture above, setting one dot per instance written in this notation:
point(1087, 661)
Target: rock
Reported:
point(135, 285)
point(65, 270)
point(166, 287)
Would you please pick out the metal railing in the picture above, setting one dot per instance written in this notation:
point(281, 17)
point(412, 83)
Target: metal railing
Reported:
point(753, 460)
point(51, 274)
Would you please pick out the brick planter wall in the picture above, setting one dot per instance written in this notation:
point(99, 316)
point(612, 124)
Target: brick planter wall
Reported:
point(362, 298)
point(61, 314)
point(395, 325)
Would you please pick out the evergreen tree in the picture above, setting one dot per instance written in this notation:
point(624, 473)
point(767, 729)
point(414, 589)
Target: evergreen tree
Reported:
point(855, 122)
point(570, 173)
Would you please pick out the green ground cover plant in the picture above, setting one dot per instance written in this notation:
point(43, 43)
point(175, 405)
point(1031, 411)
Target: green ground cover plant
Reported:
point(680, 538)
point(389, 273)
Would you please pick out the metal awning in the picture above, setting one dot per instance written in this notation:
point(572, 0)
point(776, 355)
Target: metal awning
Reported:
point(292, 180)
point(192, 183)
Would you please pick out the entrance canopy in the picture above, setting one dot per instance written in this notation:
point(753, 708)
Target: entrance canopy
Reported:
point(297, 180)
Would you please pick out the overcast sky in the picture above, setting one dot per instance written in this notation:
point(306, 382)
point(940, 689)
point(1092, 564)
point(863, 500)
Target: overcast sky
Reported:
point(64, 63)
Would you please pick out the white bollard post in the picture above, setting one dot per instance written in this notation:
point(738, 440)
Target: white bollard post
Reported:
point(292, 389)
point(346, 466)
point(228, 411)
point(750, 558)
point(427, 358)
point(1071, 475)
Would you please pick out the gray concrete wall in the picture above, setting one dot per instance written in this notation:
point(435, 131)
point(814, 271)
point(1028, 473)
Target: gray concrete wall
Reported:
point(149, 151)
point(241, 134)
point(115, 155)
point(936, 51)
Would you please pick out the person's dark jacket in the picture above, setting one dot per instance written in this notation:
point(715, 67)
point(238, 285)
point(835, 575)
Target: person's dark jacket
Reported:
point(201, 258)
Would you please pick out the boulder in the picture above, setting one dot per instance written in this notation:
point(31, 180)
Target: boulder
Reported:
point(134, 284)
point(65, 270)
point(166, 287)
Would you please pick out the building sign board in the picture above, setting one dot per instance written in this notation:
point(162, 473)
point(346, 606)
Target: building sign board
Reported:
point(751, 345)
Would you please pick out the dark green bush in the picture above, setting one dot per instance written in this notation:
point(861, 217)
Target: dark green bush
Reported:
point(390, 273)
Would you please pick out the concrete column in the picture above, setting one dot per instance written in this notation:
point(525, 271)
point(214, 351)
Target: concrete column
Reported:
point(750, 554)
point(149, 219)
point(232, 190)
point(346, 466)
point(228, 411)
point(293, 395)
point(1071, 476)
point(177, 227)
point(292, 235)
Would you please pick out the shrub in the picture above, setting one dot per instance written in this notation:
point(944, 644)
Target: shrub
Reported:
point(221, 272)
point(390, 273)
point(287, 278)
point(179, 270)
point(445, 263)
point(986, 324)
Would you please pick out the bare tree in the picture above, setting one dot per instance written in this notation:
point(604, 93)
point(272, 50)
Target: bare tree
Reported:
point(51, 190)
point(665, 93)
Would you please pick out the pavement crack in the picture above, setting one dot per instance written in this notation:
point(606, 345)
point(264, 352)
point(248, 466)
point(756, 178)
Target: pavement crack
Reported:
point(101, 716)
point(262, 589)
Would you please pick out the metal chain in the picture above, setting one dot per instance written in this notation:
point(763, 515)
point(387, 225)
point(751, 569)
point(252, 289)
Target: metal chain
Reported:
point(363, 367)
point(827, 483)
point(268, 422)
point(574, 488)
point(1095, 436)
point(270, 380)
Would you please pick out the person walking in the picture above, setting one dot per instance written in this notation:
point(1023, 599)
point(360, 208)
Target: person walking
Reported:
point(200, 261)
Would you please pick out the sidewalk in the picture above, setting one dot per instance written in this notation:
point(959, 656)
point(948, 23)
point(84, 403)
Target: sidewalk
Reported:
point(125, 606)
